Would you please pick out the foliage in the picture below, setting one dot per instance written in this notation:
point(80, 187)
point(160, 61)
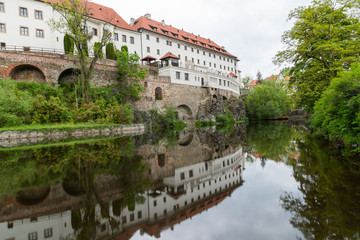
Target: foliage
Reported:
point(245, 80)
point(129, 75)
point(68, 45)
point(225, 119)
point(98, 48)
point(268, 100)
point(110, 51)
point(15, 105)
point(323, 41)
point(337, 112)
point(73, 22)
point(204, 123)
point(50, 111)
point(165, 118)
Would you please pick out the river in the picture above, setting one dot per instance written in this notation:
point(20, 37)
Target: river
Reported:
point(272, 180)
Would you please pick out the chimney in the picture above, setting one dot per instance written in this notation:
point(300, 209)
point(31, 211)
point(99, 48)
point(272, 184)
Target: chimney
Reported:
point(222, 47)
point(132, 21)
point(163, 23)
point(148, 16)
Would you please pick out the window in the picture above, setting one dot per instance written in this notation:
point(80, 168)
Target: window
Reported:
point(155, 203)
point(179, 46)
point(2, 27)
point(38, 15)
point(169, 43)
point(210, 64)
point(182, 176)
point(24, 31)
point(198, 61)
point(204, 63)
point(123, 220)
point(95, 32)
point(198, 51)
point(48, 233)
point(192, 49)
point(214, 55)
point(2, 7)
point(209, 54)
point(124, 38)
point(220, 57)
point(220, 85)
point(32, 236)
point(132, 41)
point(177, 75)
point(204, 53)
point(186, 58)
point(148, 49)
point(147, 37)
point(39, 33)
point(158, 51)
point(23, 12)
point(164, 199)
point(139, 214)
point(157, 39)
point(192, 60)
point(116, 36)
point(186, 76)
point(132, 217)
point(185, 47)
point(191, 173)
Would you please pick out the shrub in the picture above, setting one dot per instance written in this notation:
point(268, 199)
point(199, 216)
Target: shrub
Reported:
point(15, 105)
point(119, 114)
point(50, 111)
point(110, 51)
point(225, 119)
point(268, 100)
point(97, 46)
point(93, 112)
point(68, 45)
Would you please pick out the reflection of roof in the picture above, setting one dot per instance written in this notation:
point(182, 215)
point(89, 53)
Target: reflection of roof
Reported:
point(169, 55)
point(175, 33)
point(102, 13)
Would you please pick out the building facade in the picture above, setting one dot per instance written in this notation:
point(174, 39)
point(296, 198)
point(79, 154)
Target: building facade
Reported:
point(201, 62)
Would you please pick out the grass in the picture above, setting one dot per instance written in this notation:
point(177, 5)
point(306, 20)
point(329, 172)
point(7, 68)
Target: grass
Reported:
point(65, 126)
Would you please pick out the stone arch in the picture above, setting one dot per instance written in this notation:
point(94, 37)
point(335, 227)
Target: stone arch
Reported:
point(28, 73)
point(161, 160)
point(69, 75)
point(186, 140)
point(184, 112)
point(73, 188)
point(33, 196)
point(158, 93)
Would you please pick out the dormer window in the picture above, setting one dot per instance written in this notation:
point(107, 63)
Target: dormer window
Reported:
point(186, 38)
point(194, 41)
point(153, 28)
point(175, 35)
point(164, 31)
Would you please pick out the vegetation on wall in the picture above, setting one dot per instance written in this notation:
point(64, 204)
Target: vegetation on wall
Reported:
point(68, 45)
point(110, 51)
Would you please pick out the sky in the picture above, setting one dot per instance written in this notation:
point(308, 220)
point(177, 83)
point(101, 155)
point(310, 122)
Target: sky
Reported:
point(249, 29)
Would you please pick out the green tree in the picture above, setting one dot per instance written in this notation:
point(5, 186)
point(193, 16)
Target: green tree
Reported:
point(268, 100)
point(323, 41)
point(110, 51)
point(337, 112)
point(68, 45)
point(98, 48)
point(74, 16)
point(245, 80)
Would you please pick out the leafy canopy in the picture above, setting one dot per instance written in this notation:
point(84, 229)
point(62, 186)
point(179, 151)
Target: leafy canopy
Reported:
point(323, 41)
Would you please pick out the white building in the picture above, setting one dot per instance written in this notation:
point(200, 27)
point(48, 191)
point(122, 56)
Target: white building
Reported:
point(201, 62)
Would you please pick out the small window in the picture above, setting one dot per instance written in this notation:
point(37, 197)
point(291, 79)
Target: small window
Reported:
point(95, 32)
point(39, 33)
point(177, 75)
point(185, 47)
point(24, 31)
point(192, 49)
point(186, 58)
point(198, 51)
point(186, 76)
point(123, 220)
point(116, 36)
point(157, 39)
point(209, 54)
point(38, 15)
point(148, 49)
point(48, 233)
point(182, 176)
point(33, 236)
point(2, 27)
point(169, 43)
point(204, 63)
point(132, 41)
point(204, 53)
point(164, 199)
point(158, 51)
point(155, 203)
point(2, 7)
point(209, 64)
point(132, 217)
point(23, 12)
point(198, 61)
point(124, 38)
point(192, 60)
point(139, 214)
point(220, 85)
point(191, 173)
point(179, 46)
point(147, 37)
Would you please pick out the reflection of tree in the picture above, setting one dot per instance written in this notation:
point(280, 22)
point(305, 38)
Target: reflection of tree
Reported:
point(329, 182)
point(271, 140)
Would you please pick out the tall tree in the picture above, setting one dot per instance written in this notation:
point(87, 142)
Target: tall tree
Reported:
point(75, 15)
point(323, 41)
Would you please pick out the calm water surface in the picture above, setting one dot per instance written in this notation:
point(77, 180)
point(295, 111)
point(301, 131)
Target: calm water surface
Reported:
point(266, 181)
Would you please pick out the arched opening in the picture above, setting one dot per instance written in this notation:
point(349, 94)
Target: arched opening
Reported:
point(184, 112)
point(73, 188)
point(32, 196)
point(158, 93)
point(69, 75)
point(27, 73)
point(161, 160)
point(186, 140)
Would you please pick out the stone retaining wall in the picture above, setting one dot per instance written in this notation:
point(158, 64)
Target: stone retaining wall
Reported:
point(26, 137)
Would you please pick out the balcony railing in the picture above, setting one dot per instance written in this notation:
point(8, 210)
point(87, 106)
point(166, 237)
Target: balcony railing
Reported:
point(30, 49)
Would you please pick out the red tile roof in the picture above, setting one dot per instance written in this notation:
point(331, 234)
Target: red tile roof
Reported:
point(175, 33)
point(272, 77)
point(232, 74)
point(148, 58)
point(101, 13)
point(169, 55)
point(252, 83)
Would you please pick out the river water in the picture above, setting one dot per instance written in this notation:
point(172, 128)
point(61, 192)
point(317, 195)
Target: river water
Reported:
point(261, 181)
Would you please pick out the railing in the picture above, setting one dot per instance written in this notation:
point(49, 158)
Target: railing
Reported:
point(31, 49)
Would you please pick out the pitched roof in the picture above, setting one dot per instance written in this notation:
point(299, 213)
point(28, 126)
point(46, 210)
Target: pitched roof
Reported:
point(148, 58)
point(252, 83)
point(232, 74)
point(169, 55)
point(175, 33)
point(101, 13)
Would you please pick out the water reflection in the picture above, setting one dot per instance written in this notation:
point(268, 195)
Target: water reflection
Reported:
point(108, 188)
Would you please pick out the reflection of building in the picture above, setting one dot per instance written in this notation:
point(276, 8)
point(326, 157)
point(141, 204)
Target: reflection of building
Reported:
point(190, 191)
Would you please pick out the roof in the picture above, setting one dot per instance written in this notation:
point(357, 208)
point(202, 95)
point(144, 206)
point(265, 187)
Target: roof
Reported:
point(252, 83)
point(175, 33)
point(169, 55)
point(232, 74)
point(148, 58)
point(272, 77)
point(101, 13)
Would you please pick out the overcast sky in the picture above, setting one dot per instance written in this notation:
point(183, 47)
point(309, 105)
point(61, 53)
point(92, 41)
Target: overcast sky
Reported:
point(249, 29)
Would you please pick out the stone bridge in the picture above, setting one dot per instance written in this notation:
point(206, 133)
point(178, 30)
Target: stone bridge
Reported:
point(191, 102)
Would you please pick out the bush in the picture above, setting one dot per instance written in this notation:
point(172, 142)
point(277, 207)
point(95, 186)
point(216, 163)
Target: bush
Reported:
point(165, 118)
point(225, 119)
point(15, 105)
point(110, 51)
point(50, 111)
point(267, 101)
point(68, 45)
point(119, 114)
point(97, 46)
point(93, 112)
point(337, 112)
